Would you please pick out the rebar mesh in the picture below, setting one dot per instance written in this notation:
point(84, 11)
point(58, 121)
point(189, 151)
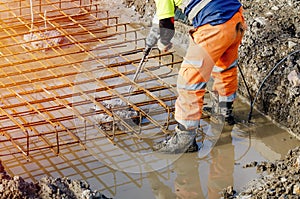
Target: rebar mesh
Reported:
point(61, 61)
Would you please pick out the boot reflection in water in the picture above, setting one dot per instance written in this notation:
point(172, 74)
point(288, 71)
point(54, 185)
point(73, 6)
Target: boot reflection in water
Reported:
point(222, 165)
point(187, 183)
point(159, 189)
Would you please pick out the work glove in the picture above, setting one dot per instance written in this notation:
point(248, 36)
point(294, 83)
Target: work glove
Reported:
point(161, 33)
point(166, 31)
point(164, 48)
point(153, 36)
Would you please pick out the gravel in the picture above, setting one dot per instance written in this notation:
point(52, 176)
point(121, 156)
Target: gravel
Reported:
point(278, 179)
point(47, 187)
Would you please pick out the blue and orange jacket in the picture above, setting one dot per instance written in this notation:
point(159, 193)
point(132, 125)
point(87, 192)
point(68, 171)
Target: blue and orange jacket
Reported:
point(214, 13)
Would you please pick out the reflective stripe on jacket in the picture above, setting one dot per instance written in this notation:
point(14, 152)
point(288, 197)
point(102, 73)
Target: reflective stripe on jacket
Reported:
point(214, 12)
point(166, 8)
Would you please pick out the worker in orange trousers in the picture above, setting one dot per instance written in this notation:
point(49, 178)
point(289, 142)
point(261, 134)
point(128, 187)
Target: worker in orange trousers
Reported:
point(213, 52)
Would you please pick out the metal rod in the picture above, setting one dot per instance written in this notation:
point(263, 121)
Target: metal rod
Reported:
point(39, 82)
point(57, 140)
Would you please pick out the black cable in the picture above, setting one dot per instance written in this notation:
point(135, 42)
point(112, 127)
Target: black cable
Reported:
point(247, 87)
point(261, 85)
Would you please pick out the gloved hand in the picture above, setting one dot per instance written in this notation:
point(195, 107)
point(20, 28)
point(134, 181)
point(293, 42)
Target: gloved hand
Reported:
point(153, 36)
point(167, 32)
point(164, 48)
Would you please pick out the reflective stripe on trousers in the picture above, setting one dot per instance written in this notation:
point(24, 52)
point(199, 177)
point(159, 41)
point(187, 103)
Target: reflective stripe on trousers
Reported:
point(213, 50)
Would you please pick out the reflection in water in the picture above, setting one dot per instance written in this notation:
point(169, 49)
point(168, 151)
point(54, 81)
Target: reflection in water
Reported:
point(222, 165)
point(191, 176)
point(187, 183)
point(160, 190)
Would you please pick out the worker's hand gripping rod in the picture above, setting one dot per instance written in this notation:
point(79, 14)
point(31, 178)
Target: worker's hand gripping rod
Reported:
point(141, 64)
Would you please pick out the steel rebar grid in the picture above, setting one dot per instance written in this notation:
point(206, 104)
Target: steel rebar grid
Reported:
point(37, 88)
point(73, 164)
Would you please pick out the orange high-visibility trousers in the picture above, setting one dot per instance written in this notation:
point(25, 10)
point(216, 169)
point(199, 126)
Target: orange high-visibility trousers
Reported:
point(213, 51)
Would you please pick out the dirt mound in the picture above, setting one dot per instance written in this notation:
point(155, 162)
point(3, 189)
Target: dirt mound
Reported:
point(16, 187)
point(271, 49)
point(279, 179)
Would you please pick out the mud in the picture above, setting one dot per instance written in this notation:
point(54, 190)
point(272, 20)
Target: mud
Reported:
point(50, 39)
point(47, 187)
point(279, 179)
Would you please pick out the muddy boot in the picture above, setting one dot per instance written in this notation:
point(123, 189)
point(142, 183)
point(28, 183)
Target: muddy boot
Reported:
point(182, 141)
point(226, 109)
point(193, 148)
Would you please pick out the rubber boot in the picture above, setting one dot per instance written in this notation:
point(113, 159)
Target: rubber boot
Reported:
point(193, 147)
point(226, 109)
point(182, 141)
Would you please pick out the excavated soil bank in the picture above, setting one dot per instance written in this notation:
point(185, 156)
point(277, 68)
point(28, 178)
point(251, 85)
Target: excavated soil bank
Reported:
point(273, 34)
point(16, 187)
point(279, 179)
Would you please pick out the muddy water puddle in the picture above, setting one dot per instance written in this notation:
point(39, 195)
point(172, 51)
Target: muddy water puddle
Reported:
point(186, 177)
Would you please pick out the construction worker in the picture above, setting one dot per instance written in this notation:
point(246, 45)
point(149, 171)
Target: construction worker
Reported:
point(213, 51)
point(162, 30)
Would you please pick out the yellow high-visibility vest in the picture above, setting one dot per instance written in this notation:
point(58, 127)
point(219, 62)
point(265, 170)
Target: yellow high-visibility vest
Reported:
point(166, 8)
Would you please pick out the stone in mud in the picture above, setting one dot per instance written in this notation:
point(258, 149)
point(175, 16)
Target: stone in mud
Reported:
point(296, 189)
point(251, 164)
point(294, 78)
point(280, 181)
point(45, 188)
point(119, 109)
point(228, 193)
